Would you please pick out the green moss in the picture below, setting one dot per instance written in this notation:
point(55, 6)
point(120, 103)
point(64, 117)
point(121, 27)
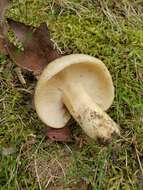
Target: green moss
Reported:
point(80, 27)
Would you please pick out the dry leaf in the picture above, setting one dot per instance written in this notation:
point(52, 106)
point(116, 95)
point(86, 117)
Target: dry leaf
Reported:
point(60, 135)
point(38, 48)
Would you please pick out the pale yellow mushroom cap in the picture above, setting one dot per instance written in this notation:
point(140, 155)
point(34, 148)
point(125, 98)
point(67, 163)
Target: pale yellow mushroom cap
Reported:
point(90, 72)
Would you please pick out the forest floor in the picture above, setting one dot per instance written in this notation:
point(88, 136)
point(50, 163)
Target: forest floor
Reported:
point(111, 31)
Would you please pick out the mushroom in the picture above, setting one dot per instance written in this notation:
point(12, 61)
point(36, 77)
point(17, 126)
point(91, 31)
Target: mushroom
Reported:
point(80, 86)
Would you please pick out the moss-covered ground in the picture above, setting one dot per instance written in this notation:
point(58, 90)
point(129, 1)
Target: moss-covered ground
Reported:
point(111, 31)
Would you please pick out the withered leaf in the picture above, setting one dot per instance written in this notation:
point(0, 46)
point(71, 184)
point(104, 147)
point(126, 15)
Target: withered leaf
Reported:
point(38, 47)
point(61, 135)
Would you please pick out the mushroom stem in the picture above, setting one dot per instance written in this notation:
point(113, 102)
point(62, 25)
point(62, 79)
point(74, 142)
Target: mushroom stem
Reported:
point(92, 119)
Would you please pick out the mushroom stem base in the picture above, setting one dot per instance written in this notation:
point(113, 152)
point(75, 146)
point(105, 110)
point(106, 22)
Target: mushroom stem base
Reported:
point(95, 122)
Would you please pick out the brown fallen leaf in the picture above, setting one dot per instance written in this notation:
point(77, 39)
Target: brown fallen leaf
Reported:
point(60, 135)
point(39, 49)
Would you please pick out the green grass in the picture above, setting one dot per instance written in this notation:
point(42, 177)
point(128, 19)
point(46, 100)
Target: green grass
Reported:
point(111, 32)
